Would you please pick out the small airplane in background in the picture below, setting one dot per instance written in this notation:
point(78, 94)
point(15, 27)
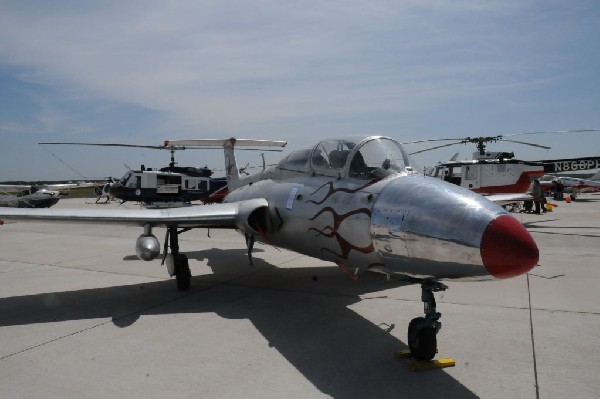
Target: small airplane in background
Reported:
point(572, 165)
point(35, 195)
point(572, 185)
point(357, 202)
point(568, 181)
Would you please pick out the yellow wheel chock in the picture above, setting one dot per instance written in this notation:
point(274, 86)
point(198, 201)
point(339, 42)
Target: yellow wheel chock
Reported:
point(416, 365)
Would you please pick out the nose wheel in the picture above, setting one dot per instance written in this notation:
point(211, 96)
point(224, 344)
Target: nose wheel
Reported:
point(422, 331)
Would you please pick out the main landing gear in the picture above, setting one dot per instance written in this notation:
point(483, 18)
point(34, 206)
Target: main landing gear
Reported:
point(422, 331)
point(177, 264)
point(250, 244)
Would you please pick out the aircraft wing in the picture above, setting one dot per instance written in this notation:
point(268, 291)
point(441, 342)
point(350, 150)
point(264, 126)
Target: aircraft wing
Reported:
point(503, 199)
point(56, 187)
point(14, 187)
point(67, 186)
point(229, 215)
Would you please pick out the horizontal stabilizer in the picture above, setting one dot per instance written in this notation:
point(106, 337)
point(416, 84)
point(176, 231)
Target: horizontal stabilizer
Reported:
point(503, 199)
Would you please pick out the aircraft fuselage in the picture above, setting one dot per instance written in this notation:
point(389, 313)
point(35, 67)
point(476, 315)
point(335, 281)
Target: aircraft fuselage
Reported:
point(407, 224)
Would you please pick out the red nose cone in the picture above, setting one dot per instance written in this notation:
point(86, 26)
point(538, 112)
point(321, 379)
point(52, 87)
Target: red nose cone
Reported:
point(507, 248)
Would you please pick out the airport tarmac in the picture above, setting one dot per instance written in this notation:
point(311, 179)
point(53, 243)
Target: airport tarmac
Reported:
point(82, 317)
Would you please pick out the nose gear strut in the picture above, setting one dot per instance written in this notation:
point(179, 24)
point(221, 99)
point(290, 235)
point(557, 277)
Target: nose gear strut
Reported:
point(422, 331)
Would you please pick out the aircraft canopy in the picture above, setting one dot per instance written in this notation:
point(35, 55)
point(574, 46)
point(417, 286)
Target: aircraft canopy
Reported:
point(354, 157)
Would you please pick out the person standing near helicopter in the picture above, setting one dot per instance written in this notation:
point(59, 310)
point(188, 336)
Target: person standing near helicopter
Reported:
point(538, 197)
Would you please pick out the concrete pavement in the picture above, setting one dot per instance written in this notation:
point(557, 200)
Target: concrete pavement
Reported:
point(82, 317)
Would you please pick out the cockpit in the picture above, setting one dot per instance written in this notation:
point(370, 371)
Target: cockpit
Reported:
point(125, 178)
point(358, 158)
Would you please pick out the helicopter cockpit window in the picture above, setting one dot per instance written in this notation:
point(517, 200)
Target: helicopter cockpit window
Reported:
point(125, 178)
point(378, 158)
point(129, 181)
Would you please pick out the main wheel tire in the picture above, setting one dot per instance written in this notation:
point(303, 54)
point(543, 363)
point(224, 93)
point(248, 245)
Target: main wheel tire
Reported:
point(182, 272)
point(422, 343)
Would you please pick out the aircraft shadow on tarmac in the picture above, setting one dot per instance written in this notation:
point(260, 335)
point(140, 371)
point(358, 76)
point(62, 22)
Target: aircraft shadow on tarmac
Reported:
point(302, 312)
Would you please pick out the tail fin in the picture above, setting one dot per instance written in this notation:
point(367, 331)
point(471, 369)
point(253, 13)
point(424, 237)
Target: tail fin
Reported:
point(231, 168)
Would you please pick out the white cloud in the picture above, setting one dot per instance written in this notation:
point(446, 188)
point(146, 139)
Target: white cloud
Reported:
point(234, 66)
point(167, 55)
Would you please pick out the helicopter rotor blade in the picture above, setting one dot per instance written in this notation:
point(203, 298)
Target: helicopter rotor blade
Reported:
point(501, 136)
point(428, 140)
point(169, 147)
point(531, 144)
point(436, 147)
point(554, 131)
point(153, 147)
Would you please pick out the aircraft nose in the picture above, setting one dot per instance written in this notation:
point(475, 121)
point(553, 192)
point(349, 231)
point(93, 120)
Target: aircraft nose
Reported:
point(507, 248)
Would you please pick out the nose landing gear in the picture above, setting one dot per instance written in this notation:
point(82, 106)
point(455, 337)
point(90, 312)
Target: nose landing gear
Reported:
point(422, 331)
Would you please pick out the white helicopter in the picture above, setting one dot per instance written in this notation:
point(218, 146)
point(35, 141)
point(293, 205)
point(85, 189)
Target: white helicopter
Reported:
point(488, 172)
point(497, 172)
point(358, 202)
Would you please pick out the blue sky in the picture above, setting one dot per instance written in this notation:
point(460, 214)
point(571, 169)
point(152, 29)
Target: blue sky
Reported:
point(144, 71)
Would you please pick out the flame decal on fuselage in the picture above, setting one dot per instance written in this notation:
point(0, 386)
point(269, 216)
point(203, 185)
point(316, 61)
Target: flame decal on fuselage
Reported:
point(332, 190)
point(332, 231)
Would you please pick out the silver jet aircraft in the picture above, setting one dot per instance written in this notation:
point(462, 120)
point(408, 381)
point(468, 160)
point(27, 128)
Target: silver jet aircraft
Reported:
point(357, 202)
